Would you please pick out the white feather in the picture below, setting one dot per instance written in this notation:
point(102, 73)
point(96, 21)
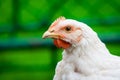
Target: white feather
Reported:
point(87, 60)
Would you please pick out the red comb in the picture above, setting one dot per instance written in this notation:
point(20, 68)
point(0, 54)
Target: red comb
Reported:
point(57, 21)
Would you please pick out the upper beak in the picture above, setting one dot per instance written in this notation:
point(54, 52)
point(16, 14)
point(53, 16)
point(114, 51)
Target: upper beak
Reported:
point(49, 34)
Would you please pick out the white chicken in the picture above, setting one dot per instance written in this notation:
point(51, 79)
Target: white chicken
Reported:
point(85, 57)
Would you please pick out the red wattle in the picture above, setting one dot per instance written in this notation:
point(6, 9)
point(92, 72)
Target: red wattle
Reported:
point(61, 44)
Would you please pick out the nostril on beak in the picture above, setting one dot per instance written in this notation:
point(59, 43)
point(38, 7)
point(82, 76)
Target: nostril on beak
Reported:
point(52, 31)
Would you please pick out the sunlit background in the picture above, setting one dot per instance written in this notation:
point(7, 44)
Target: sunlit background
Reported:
point(24, 55)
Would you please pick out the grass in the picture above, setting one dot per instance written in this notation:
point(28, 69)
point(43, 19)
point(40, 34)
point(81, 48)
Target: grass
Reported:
point(21, 75)
point(26, 64)
point(114, 48)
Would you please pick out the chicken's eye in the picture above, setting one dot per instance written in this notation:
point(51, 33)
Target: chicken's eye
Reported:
point(68, 28)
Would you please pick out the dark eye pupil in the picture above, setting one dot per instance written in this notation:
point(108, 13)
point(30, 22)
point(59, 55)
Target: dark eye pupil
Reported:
point(68, 28)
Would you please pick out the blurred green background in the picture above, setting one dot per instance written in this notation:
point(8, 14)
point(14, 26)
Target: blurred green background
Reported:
point(25, 56)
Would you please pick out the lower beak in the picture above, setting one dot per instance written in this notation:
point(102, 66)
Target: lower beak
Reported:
point(48, 34)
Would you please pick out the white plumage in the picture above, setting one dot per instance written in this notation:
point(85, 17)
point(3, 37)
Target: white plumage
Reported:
point(87, 58)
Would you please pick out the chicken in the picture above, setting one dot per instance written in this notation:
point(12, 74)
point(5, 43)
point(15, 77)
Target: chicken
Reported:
point(85, 56)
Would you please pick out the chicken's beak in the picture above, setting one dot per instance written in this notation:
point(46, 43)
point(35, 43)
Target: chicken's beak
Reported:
point(49, 34)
